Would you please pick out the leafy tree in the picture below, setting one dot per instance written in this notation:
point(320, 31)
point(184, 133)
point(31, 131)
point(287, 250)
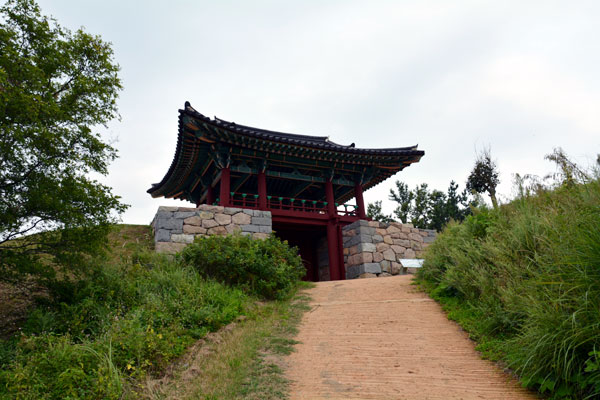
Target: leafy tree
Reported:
point(457, 205)
point(419, 214)
point(484, 176)
point(425, 209)
point(56, 88)
point(437, 213)
point(375, 212)
point(404, 197)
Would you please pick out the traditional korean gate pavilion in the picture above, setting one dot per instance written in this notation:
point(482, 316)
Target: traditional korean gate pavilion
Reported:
point(304, 181)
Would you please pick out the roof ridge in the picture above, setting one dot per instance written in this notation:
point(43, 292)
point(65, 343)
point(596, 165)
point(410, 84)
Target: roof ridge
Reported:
point(301, 139)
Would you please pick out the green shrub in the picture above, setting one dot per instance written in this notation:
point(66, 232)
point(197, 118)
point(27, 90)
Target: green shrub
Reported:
point(530, 272)
point(122, 323)
point(267, 268)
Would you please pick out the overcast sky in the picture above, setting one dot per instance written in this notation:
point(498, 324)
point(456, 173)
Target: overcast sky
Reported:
point(453, 77)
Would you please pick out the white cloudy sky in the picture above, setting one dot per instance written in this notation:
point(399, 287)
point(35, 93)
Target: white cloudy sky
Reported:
point(521, 77)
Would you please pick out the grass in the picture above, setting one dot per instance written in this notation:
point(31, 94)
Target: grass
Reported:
point(245, 362)
point(124, 324)
point(16, 301)
point(524, 281)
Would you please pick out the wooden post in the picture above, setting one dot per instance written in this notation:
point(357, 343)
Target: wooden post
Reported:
point(360, 202)
point(262, 190)
point(225, 187)
point(332, 250)
point(330, 199)
point(210, 195)
point(332, 233)
point(340, 246)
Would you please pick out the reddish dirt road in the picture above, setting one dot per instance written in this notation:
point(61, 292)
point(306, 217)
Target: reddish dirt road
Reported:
point(382, 339)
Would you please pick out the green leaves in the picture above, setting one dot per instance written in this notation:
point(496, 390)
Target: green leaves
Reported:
point(375, 212)
point(484, 176)
point(56, 88)
point(425, 209)
point(266, 268)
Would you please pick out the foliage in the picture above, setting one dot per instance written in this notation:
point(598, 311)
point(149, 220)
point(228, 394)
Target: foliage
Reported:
point(246, 363)
point(268, 268)
point(375, 212)
point(404, 197)
point(484, 176)
point(56, 87)
point(108, 332)
point(425, 209)
point(525, 280)
point(420, 211)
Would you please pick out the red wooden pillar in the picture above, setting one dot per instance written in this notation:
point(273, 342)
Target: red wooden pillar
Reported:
point(225, 187)
point(360, 202)
point(330, 199)
point(262, 190)
point(332, 233)
point(342, 265)
point(333, 250)
point(210, 195)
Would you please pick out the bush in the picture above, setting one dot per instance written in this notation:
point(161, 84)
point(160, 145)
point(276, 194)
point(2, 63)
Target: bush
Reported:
point(267, 268)
point(119, 325)
point(529, 276)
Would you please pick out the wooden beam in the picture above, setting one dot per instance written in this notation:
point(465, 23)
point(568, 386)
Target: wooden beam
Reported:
point(301, 188)
point(216, 179)
point(239, 182)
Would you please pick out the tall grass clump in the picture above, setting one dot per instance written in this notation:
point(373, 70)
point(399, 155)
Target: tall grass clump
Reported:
point(525, 280)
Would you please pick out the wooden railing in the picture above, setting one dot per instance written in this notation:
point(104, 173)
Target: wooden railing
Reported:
point(245, 200)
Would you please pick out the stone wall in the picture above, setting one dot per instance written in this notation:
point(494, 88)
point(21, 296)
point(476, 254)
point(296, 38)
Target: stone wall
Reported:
point(174, 227)
point(373, 248)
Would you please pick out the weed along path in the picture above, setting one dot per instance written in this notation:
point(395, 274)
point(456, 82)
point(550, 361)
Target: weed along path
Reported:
point(382, 339)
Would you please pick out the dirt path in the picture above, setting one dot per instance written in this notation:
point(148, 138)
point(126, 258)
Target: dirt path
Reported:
point(382, 339)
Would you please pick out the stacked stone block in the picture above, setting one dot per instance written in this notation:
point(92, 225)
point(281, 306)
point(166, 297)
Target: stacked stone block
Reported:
point(175, 227)
point(373, 248)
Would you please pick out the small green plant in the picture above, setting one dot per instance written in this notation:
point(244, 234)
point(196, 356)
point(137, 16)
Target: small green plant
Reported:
point(267, 268)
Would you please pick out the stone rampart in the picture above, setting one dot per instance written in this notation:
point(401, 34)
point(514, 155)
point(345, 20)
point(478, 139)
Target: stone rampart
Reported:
point(373, 248)
point(174, 227)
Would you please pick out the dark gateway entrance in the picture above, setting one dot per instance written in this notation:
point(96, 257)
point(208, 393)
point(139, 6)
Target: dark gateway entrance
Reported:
point(309, 239)
point(304, 181)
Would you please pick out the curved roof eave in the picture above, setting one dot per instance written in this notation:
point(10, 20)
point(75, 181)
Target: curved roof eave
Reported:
point(321, 142)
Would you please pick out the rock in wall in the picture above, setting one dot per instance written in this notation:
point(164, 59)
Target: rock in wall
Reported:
point(373, 248)
point(175, 227)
